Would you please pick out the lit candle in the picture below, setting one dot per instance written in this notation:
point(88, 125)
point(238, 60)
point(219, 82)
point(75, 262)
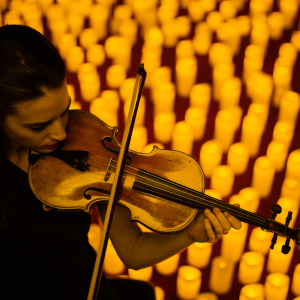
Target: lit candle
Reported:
point(120, 13)
point(277, 286)
point(260, 35)
point(94, 235)
point(293, 165)
point(251, 133)
point(141, 274)
point(214, 19)
point(260, 241)
point(112, 263)
point(74, 59)
point(188, 282)
point(101, 107)
point(182, 137)
point(200, 96)
point(295, 286)
point(182, 26)
point(253, 60)
point(140, 116)
point(243, 24)
point(159, 293)
point(233, 243)
point(154, 36)
point(89, 87)
point(236, 112)
point(164, 97)
point(222, 180)
point(202, 42)
point(88, 37)
point(283, 132)
point(228, 9)
point(198, 254)
point(158, 76)
point(290, 188)
point(289, 107)
point(126, 88)
point(238, 158)
point(295, 39)
point(171, 36)
point(59, 27)
point(98, 17)
point(258, 7)
point(288, 50)
point(139, 138)
point(151, 61)
point(260, 110)
point(221, 274)
point(290, 10)
point(75, 22)
point(251, 197)
point(277, 261)
point(196, 118)
point(163, 126)
point(251, 267)
point(282, 76)
point(219, 53)
point(210, 156)
point(86, 69)
point(184, 49)
point(262, 90)
point(115, 75)
point(186, 72)
point(277, 153)
point(66, 42)
point(111, 98)
point(230, 92)
point(129, 28)
point(206, 296)
point(288, 204)
point(276, 25)
point(196, 11)
point(168, 266)
point(253, 291)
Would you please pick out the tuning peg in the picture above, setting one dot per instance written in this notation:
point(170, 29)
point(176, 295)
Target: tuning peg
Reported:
point(286, 247)
point(275, 209)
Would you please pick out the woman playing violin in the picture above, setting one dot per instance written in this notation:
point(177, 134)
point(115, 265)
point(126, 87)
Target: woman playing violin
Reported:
point(46, 254)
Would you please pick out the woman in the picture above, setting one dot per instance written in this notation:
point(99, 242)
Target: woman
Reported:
point(45, 254)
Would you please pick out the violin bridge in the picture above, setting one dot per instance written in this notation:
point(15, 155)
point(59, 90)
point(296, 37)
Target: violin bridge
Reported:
point(108, 171)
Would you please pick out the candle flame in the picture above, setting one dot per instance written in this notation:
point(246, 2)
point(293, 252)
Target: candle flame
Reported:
point(222, 265)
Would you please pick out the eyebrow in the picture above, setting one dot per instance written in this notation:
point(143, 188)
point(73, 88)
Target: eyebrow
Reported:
point(47, 122)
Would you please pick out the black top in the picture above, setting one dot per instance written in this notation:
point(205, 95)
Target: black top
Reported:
point(43, 254)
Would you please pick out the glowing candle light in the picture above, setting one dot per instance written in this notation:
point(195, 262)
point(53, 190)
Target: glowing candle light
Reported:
point(186, 72)
point(258, 7)
point(251, 133)
point(222, 180)
point(74, 59)
point(210, 156)
point(260, 110)
point(158, 76)
point(277, 153)
point(142, 274)
point(251, 197)
point(171, 36)
point(206, 296)
point(238, 158)
point(289, 10)
point(283, 132)
point(66, 42)
point(260, 36)
point(251, 267)
point(168, 266)
point(115, 75)
point(219, 53)
point(58, 29)
point(288, 50)
point(120, 13)
point(94, 235)
point(98, 17)
point(139, 138)
point(253, 60)
point(196, 11)
point(89, 87)
point(196, 118)
point(228, 9)
point(128, 28)
point(214, 19)
point(200, 96)
point(262, 89)
point(103, 110)
point(140, 116)
point(202, 42)
point(221, 274)
point(163, 126)
point(260, 241)
point(253, 291)
point(182, 137)
point(159, 293)
point(188, 282)
point(290, 188)
point(295, 39)
point(112, 263)
point(276, 286)
point(88, 37)
point(276, 24)
point(244, 25)
point(288, 204)
point(75, 22)
point(236, 112)
point(183, 26)
point(289, 107)
point(184, 49)
point(164, 97)
point(282, 76)
point(293, 165)
point(86, 69)
point(198, 254)
point(111, 99)
point(230, 92)
point(295, 286)
point(54, 12)
point(126, 88)
point(233, 243)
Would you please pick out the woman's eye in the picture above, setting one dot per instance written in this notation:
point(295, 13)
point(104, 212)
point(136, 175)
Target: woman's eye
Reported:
point(38, 128)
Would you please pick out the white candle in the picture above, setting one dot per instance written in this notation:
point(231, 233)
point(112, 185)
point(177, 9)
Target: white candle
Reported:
point(293, 165)
point(89, 86)
point(183, 26)
point(182, 137)
point(243, 23)
point(262, 89)
point(139, 138)
point(289, 9)
point(222, 180)
point(253, 291)
point(66, 42)
point(230, 92)
point(289, 107)
point(171, 36)
point(184, 49)
point(141, 274)
point(295, 287)
point(251, 197)
point(214, 19)
point(159, 293)
point(288, 204)
point(198, 254)
point(277, 286)
point(236, 112)
point(228, 9)
point(115, 76)
point(88, 37)
point(164, 97)
point(253, 60)
point(74, 59)
point(261, 111)
point(277, 153)
point(159, 75)
point(202, 42)
point(95, 54)
point(283, 132)
point(111, 98)
point(196, 11)
point(112, 263)
point(196, 118)
point(126, 88)
point(219, 53)
point(210, 156)
point(290, 188)
point(128, 28)
point(251, 267)
point(260, 35)
point(288, 50)
point(200, 96)
point(238, 158)
point(163, 126)
point(98, 17)
point(75, 22)
point(168, 266)
point(276, 25)
point(206, 296)
point(221, 274)
point(86, 69)
point(260, 241)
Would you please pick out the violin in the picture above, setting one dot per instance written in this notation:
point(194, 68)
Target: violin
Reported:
point(163, 189)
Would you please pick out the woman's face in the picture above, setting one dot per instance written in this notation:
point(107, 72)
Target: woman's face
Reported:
point(40, 123)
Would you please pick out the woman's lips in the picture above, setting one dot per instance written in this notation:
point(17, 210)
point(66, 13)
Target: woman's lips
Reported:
point(53, 145)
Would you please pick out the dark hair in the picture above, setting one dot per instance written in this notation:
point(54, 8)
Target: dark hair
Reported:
point(30, 66)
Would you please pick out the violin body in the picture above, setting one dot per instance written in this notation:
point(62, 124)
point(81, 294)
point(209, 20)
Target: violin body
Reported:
point(61, 186)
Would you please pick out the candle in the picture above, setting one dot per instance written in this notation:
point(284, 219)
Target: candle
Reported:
point(115, 75)
point(200, 96)
point(238, 158)
point(202, 42)
point(75, 22)
point(159, 293)
point(221, 73)
point(253, 60)
point(163, 126)
point(151, 61)
point(198, 254)
point(230, 92)
point(288, 51)
point(74, 59)
point(277, 153)
point(251, 197)
point(158, 76)
point(112, 263)
point(188, 282)
point(128, 28)
point(233, 243)
point(98, 17)
point(138, 138)
point(221, 274)
point(260, 241)
point(219, 53)
point(206, 296)
point(186, 72)
point(66, 42)
point(289, 9)
point(182, 26)
point(222, 180)
point(76, 105)
point(214, 19)
point(282, 76)
point(104, 110)
point(290, 188)
point(261, 111)
point(276, 25)
point(94, 235)
point(277, 286)
point(295, 286)
point(263, 175)
point(288, 204)
point(236, 112)
point(141, 274)
point(277, 261)
point(251, 267)
point(262, 90)
point(295, 39)
point(88, 37)
point(258, 7)
point(150, 147)
point(140, 116)
point(182, 137)
point(86, 69)
point(126, 88)
point(111, 98)
point(58, 29)
point(293, 165)
point(243, 24)
point(89, 86)
point(196, 11)
point(253, 291)
point(283, 132)
point(260, 33)
point(184, 49)
point(168, 266)
point(196, 118)
point(164, 97)
point(289, 107)
point(228, 9)
point(170, 35)
point(210, 156)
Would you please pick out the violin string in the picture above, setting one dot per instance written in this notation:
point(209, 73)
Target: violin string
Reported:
point(224, 205)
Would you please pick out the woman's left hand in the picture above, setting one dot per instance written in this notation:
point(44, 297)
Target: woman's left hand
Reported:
point(209, 226)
